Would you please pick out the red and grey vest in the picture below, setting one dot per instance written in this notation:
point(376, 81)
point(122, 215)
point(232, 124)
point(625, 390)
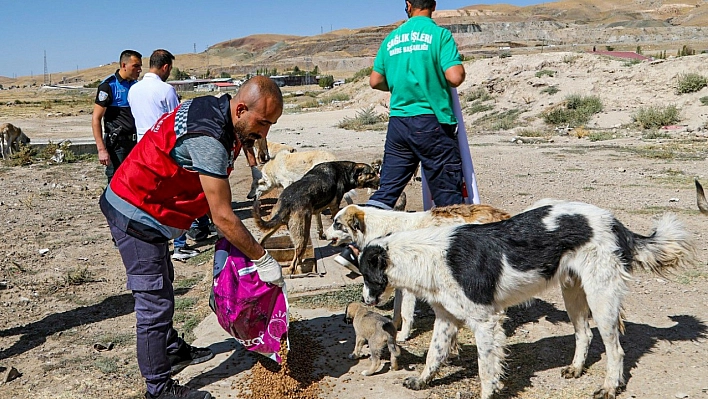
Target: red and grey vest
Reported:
point(152, 181)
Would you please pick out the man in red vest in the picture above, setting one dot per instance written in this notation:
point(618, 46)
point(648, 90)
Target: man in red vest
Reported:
point(178, 172)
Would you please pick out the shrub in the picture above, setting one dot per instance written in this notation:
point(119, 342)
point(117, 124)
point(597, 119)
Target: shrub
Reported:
point(480, 94)
point(362, 73)
point(632, 62)
point(326, 81)
point(591, 103)
point(550, 90)
point(336, 97)
point(655, 134)
point(656, 117)
point(313, 103)
point(532, 133)
point(22, 157)
point(366, 118)
point(545, 72)
point(499, 120)
point(704, 100)
point(600, 136)
point(477, 107)
point(570, 59)
point(686, 50)
point(577, 111)
point(505, 54)
point(690, 83)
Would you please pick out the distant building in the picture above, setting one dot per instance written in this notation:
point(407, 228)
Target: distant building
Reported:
point(205, 84)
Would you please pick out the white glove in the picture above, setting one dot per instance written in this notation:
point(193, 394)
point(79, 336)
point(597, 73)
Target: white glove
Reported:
point(269, 270)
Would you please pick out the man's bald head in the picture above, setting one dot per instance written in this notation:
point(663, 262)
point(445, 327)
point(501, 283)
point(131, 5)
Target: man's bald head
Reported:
point(255, 108)
point(258, 87)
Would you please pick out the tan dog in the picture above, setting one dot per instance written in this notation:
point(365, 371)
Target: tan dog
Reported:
point(283, 170)
point(267, 150)
point(10, 138)
point(363, 224)
point(375, 329)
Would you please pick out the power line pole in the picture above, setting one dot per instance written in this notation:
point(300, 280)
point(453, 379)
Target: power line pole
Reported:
point(46, 72)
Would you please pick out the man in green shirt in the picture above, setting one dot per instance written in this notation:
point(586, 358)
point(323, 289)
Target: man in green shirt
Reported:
point(418, 63)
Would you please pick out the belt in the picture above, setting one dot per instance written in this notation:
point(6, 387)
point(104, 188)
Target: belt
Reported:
point(127, 137)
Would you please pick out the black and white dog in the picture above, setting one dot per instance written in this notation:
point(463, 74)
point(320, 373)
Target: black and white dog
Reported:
point(471, 273)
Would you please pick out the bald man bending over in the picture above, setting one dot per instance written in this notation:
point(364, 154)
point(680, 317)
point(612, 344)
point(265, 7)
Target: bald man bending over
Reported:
point(178, 172)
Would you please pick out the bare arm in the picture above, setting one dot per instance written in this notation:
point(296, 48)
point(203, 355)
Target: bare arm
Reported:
point(96, 118)
point(218, 194)
point(455, 75)
point(378, 81)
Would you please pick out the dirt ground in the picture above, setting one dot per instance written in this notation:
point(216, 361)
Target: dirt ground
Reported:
point(63, 284)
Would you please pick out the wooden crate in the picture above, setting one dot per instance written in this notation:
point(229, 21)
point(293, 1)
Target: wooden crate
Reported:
point(282, 249)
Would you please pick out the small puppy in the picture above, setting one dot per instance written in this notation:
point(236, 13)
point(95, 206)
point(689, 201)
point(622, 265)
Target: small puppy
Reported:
point(375, 329)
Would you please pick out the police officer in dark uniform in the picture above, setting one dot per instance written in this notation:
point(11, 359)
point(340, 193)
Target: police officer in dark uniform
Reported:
point(118, 136)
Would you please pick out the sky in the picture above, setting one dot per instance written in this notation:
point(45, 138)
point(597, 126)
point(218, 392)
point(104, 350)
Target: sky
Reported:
point(79, 34)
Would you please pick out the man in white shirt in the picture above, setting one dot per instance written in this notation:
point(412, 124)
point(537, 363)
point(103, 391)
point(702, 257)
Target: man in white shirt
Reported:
point(149, 99)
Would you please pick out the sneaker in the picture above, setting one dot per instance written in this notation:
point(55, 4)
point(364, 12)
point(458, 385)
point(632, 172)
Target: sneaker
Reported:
point(188, 355)
point(198, 233)
point(175, 391)
point(347, 259)
point(184, 253)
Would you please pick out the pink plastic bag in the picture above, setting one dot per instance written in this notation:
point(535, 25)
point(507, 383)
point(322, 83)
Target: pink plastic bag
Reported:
point(253, 312)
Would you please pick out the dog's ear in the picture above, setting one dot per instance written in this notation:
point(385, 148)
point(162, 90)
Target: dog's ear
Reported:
point(358, 222)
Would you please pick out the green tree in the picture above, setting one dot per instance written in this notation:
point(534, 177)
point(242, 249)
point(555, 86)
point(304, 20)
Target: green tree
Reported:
point(225, 75)
point(326, 81)
point(179, 75)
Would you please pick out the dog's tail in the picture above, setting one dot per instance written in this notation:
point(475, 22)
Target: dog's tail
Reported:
point(392, 346)
point(269, 226)
point(669, 247)
point(701, 198)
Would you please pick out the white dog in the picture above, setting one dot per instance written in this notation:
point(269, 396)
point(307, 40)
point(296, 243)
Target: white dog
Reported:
point(11, 137)
point(284, 169)
point(470, 274)
point(362, 224)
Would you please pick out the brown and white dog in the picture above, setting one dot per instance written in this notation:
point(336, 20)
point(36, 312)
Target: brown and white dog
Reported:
point(469, 274)
point(284, 169)
point(377, 330)
point(362, 224)
point(11, 137)
point(320, 188)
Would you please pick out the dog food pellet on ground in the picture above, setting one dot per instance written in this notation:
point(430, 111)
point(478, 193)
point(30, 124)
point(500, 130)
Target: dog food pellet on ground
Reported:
point(294, 378)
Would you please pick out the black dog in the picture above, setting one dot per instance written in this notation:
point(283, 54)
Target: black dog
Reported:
point(321, 187)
